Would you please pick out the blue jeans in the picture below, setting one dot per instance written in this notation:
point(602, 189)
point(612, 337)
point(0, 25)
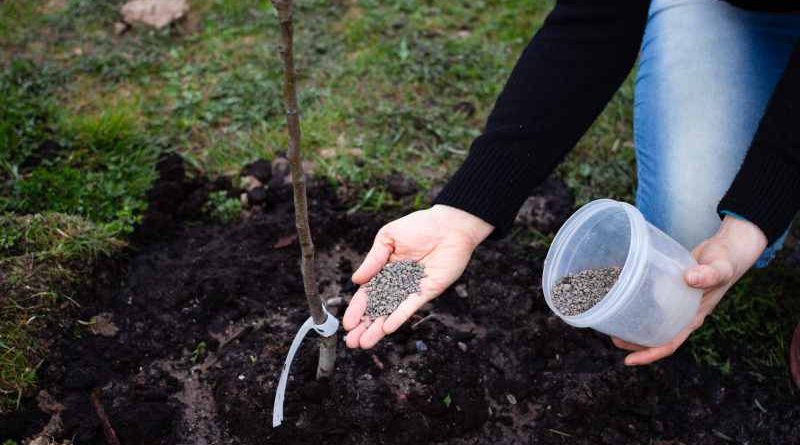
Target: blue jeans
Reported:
point(706, 72)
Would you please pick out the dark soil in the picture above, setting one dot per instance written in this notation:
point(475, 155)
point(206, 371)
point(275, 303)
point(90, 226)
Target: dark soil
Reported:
point(498, 366)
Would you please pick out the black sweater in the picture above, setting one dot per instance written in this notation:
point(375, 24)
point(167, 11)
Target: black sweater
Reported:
point(560, 84)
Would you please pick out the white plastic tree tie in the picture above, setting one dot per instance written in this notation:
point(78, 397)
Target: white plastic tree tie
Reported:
point(326, 329)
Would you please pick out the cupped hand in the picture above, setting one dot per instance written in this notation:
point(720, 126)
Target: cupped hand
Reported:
point(722, 260)
point(441, 238)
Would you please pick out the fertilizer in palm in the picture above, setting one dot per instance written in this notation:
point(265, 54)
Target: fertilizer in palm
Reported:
point(391, 286)
point(577, 293)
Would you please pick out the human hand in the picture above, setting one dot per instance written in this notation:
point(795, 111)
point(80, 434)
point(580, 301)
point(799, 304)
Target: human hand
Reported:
point(722, 260)
point(441, 238)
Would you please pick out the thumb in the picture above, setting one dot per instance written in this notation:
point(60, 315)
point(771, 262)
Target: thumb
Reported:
point(382, 247)
point(704, 276)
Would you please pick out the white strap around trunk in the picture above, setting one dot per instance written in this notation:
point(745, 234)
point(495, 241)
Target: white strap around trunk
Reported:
point(326, 329)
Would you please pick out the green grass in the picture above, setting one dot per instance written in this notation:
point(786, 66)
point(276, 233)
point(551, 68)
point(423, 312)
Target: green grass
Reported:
point(61, 209)
point(384, 86)
point(221, 208)
point(42, 259)
point(750, 329)
point(25, 112)
point(103, 175)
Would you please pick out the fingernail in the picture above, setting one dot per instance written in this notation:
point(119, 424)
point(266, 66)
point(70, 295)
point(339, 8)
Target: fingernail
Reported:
point(693, 277)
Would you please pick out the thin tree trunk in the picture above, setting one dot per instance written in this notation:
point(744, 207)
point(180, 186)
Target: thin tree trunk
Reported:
point(327, 346)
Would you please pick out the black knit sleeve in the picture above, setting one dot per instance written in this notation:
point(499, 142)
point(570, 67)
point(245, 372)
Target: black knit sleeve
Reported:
point(766, 191)
point(560, 84)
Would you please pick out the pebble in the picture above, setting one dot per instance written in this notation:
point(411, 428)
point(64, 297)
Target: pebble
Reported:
point(421, 346)
point(577, 293)
point(391, 286)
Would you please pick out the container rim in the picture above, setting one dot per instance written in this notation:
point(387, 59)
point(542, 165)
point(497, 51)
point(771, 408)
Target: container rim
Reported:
point(632, 270)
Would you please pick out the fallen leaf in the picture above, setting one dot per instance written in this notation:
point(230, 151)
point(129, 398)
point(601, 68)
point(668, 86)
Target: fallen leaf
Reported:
point(285, 241)
point(101, 324)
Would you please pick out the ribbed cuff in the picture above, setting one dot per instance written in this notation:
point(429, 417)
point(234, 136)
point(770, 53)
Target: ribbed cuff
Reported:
point(765, 192)
point(493, 183)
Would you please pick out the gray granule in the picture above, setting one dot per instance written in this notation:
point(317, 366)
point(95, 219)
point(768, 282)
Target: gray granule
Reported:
point(391, 286)
point(577, 293)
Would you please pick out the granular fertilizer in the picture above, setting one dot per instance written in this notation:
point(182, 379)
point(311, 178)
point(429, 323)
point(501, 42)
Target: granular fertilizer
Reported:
point(577, 293)
point(391, 286)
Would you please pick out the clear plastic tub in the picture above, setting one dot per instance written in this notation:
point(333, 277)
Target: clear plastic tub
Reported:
point(650, 302)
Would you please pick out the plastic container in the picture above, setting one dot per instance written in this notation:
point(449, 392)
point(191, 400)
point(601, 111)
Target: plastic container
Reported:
point(650, 302)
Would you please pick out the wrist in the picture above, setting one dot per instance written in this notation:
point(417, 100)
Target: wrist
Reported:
point(464, 223)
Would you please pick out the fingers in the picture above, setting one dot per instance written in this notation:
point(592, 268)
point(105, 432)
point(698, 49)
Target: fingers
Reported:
point(705, 276)
point(650, 355)
point(622, 344)
point(403, 313)
point(355, 310)
point(373, 334)
point(354, 336)
point(382, 247)
point(366, 335)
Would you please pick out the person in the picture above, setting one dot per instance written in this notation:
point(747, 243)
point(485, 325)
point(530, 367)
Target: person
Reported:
point(716, 134)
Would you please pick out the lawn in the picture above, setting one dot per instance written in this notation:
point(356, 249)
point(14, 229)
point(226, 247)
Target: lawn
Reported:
point(385, 87)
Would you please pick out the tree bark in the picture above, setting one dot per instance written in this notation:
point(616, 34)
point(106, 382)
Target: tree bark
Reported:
point(327, 346)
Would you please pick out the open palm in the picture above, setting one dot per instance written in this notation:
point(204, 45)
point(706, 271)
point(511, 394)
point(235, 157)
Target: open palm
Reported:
point(440, 238)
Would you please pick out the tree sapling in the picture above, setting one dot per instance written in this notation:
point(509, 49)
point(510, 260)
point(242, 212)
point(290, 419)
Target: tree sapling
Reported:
point(327, 346)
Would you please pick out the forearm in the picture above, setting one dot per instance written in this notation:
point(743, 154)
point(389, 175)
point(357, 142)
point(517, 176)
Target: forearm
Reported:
point(766, 190)
point(560, 84)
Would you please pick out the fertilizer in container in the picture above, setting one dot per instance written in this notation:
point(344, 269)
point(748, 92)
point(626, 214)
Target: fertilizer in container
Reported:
point(643, 297)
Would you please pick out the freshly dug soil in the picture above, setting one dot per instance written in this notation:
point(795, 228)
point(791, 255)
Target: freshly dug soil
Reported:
point(577, 293)
point(498, 367)
point(391, 286)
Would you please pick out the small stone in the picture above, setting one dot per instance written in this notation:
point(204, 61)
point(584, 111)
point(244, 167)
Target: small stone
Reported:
point(511, 399)
point(241, 376)
point(462, 346)
point(548, 207)
point(250, 182)
point(309, 167)
point(400, 186)
point(280, 172)
point(120, 28)
point(577, 293)
point(260, 170)
point(461, 290)
point(420, 346)
point(327, 153)
point(155, 13)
